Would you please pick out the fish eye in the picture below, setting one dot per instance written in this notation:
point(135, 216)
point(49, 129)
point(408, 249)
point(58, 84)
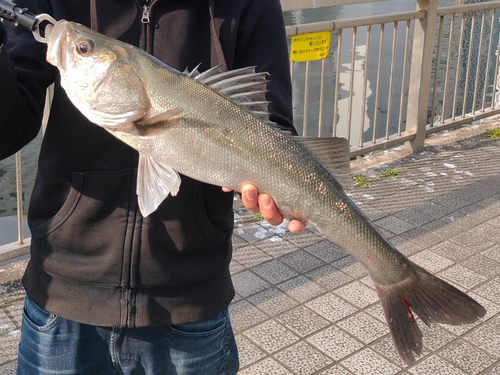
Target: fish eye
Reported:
point(85, 47)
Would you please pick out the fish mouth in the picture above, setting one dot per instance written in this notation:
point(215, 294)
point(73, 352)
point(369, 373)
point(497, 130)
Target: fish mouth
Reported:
point(56, 47)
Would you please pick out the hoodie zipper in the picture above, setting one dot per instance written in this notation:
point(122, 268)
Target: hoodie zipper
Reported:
point(146, 6)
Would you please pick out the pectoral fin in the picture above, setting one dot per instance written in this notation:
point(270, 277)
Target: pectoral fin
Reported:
point(155, 182)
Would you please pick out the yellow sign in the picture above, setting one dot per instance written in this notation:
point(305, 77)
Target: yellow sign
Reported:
point(308, 47)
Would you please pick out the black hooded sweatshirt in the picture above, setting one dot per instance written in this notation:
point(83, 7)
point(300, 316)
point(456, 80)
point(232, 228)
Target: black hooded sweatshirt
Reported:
point(94, 258)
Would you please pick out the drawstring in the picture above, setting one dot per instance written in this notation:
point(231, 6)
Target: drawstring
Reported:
point(93, 15)
point(215, 38)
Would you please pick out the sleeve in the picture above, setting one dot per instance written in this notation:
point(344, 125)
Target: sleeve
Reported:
point(24, 77)
point(261, 41)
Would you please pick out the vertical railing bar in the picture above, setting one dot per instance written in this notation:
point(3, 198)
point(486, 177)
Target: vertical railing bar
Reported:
point(389, 101)
point(436, 71)
point(469, 58)
point(488, 61)
point(19, 192)
point(377, 91)
point(306, 100)
point(351, 81)
point(321, 97)
point(478, 65)
point(337, 83)
point(403, 81)
point(448, 63)
point(365, 84)
point(495, 86)
point(459, 68)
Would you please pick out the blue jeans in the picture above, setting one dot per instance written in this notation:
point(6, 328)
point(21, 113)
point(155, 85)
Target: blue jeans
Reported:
point(54, 345)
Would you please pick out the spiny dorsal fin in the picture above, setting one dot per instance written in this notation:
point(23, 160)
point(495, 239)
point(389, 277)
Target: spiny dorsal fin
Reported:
point(242, 86)
point(334, 153)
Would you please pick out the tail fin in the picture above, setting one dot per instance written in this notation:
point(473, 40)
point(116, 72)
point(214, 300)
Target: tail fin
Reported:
point(433, 300)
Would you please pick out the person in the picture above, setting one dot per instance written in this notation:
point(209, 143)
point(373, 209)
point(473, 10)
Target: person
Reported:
point(110, 291)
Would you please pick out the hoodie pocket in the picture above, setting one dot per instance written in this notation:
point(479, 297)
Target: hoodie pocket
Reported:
point(86, 238)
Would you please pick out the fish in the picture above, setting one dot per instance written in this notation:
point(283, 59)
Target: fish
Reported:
point(214, 127)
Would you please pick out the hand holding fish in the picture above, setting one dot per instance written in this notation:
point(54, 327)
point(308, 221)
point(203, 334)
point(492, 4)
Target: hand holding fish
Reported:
point(255, 202)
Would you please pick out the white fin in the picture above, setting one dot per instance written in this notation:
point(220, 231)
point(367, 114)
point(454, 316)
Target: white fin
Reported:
point(155, 182)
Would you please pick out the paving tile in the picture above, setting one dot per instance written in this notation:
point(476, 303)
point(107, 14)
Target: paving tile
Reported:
point(9, 368)
point(247, 283)
point(493, 253)
point(273, 301)
point(406, 246)
point(368, 362)
point(434, 209)
point(8, 346)
point(271, 336)
point(472, 240)
point(329, 276)
point(248, 352)
point(335, 343)
point(266, 367)
point(252, 232)
point(357, 294)
point(335, 370)
point(274, 271)
point(364, 327)
point(487, 338)
point(414, 217)
point(301, 288)
point(482, 265)
point(235, 267)
point(430, 261)
point(249, 256)
point(489, 290)
point(451, 250)
point(394, 224)
point(467, 357)
point(435, 365)
point(462, 276)
point(331, 307)
point(493, 370)
point(244, 315)
point(276, 246)
point(326, 251)
point(351, 266)
point(303, 239)
point(435, 336)
point(385, 347)
point(6, 324)
point(303, 359)
point(302, 321)
point(301, 261)
point(489, 232)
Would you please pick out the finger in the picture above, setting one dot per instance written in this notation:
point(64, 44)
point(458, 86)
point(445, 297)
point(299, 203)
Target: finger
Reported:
point(296, 226)
point(226, 189)
point(269, 210)
point(249, 197)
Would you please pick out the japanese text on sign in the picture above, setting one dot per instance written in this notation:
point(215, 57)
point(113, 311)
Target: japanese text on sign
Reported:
point(308, 47)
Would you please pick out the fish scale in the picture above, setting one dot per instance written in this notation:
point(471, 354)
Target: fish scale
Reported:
point(198, 124)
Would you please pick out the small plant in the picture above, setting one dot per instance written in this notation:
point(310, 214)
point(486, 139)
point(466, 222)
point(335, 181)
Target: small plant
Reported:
point(494, 134)
point(389, 173)
point(361, 181)
point(257, 217)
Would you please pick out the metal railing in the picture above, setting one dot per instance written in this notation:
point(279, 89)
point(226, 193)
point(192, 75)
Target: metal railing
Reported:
point(396, 78)
point(402, 77)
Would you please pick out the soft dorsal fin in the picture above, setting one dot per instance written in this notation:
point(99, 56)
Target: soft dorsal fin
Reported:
point(242, 86)
point(334, 153)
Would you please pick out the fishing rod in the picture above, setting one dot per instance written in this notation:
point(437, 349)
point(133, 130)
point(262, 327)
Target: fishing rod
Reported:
point(23, 18)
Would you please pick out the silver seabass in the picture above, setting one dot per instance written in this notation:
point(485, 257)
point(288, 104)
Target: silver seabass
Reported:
point(213, 127)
